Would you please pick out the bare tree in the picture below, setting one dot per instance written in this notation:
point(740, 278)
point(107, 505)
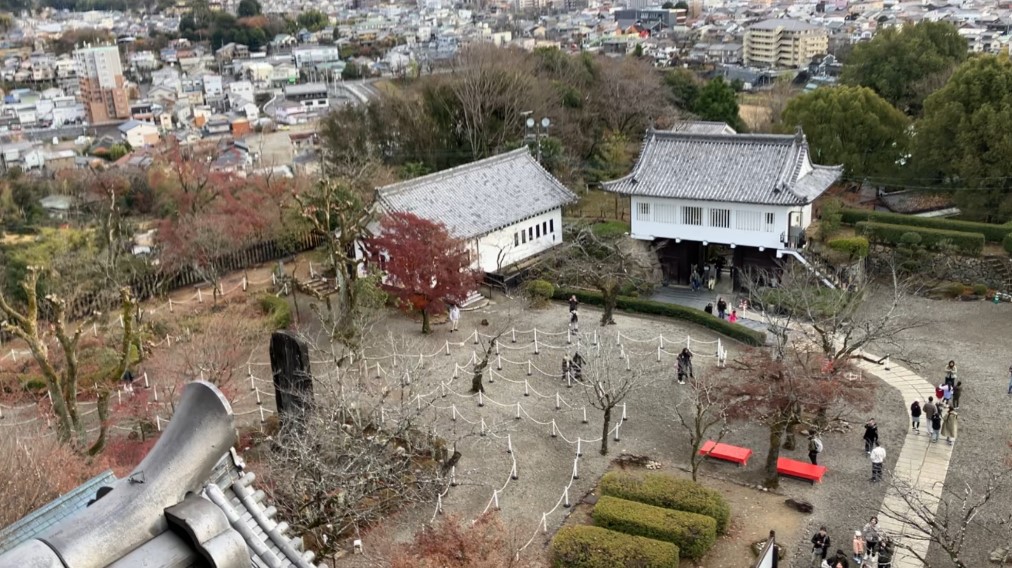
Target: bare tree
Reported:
point(707, 408)
point(63, 374)
point(488, 347)
point(607, 264)
point(840, 322)
point(948, 519)
point(608, 377)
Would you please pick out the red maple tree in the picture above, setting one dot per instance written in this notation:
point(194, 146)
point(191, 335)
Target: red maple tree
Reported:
point(425, 266)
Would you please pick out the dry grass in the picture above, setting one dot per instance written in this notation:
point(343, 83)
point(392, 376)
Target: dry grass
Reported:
point(599, 204)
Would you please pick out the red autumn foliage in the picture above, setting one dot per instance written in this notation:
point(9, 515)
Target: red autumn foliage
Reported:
point(452, 543)
point(425, 266)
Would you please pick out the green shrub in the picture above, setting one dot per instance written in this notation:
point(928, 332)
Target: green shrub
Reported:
point(967, 243)
point(992, 233)
point(582, 546)
point(830, 217)
point(855, 247)
point(664, 490)
point(540, 291)
point(954, 290)
point(910, 238)
point(1007, 243)
point(980, 289)
point(692, 533)
point(277, 310)
point(732, 330)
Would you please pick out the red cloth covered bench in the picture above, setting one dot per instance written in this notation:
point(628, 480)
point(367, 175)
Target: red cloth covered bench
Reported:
point(726, 452)
point(803, 470)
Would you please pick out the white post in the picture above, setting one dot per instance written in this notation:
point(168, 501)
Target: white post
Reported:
point(536, 341)
point(442, 390)
point(530, 369)
point(498, 363)
point(262, 418)
point(495, 498)
point(245, 283)
point(514, 333)
point(688, 342)
point(595, 337)
point(618, 338)
point(658, 354)
point(456, 370)
point(565, 499)
point(628, 366)
point(155, 392)
point(481, 401)
point(476, 337)
point(623, 413)
point(544, 523)
point(569, 379)
point(379, 371)
point(513, 472)
point(158, 423)
point(453, 410)
point(496, 343)
point(168, 340)
point(616, 430)
point(119, 400)
point(257, 391)
point(569, 336)
point(662, 341)
point(146, 384)
point(579, 452)
point(312, 274)
point(274, 278)
point(447, 347)
point(576, 468)
point(453, 476)
point(200, 296)
point(584, 414)
point(121, 321)
point(170, 305)
point(14, 356)
point(252, 383)
point(383, 415)
point(555, 431)
point(509, 444)
point(527, 388)
point(518, 411)
point(418, 399)
point(558, 401)
point(482, 426)
point(94, 326)
point(439, 504)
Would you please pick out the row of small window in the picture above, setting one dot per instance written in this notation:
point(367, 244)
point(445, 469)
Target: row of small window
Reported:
point(534, 232)
point(744, 220)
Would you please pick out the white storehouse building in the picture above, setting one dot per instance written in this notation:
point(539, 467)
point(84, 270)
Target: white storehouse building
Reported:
point(507, 207)
point(703, 193)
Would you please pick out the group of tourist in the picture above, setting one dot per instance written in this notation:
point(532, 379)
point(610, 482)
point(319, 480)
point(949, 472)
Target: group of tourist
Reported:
point(947, 394)
point(869, 548)
point(722, 310)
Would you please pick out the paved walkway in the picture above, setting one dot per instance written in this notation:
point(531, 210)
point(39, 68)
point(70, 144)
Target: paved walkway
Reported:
point(920, 465)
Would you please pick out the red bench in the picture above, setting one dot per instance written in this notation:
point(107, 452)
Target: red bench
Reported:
point(795, 468)
point(726, 452)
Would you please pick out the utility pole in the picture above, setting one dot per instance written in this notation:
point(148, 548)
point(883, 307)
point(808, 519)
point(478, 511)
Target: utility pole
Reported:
point(535, 130)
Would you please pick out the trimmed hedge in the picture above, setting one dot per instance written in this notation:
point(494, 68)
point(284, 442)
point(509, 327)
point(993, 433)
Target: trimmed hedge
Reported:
point(856, 247)
point(692, 533)
point(664, 490)
point(1007, 243)
point(732, 330)
point(540, 290)
point(969, 243)
point(993, 233)
point(583, 546)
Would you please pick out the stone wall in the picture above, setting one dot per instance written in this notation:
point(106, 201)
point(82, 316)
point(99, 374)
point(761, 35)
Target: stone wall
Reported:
point(993, 272)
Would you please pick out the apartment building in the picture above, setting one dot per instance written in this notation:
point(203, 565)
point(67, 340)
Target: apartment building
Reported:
point(783, 43)
point(103, 88)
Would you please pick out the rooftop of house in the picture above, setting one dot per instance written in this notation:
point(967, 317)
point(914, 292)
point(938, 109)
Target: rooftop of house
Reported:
point(702, 127)
point(783, 23)
point(736, 168)
point(477, 198)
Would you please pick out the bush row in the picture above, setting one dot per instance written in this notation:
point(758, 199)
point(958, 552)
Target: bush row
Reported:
point(1007, 243)
point(692, 533)
point(663, 490)
point(585, 546)
point(856, 247)
point(732, 330)
point(969, 243)
point(993, 233)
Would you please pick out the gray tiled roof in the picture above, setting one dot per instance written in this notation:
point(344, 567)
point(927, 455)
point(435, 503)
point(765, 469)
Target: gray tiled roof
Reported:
point(702, 127)
point(738, 168)
point(477, 198)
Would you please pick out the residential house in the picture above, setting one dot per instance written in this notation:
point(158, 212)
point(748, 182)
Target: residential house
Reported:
point(707, 194)
point(139, 134)
point(507, 208)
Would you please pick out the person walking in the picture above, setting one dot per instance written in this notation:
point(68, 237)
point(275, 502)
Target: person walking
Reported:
point(814, 448)
point(574, 322)
point(684, 364)
point(573, 303)
point(709, 308)
point(957, 391)
point(840, 559)
point(454, 317)
point(878, 456)
point(820, 546)
point(1010, 379)
point(946, 390)
point(721, 308)
point(733, 318)
point(870, 435)
point(950, 373)
point(858, 545)
point(930, 410)
point(950, 426)
point(936, 425)
point(711, 280)
point(885, 553)
point(871, 537)
point(915, 417)
point(576, 367)
point(695, 282)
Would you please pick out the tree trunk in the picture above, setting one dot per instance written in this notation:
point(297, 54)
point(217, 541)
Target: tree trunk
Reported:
point(604, 431)
point(103, 424)
point(772, 477)
point(426, 328)
point(609, 299)
point(479, 372)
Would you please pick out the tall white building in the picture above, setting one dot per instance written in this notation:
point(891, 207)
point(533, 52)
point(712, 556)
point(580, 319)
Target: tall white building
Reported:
point(103, 88)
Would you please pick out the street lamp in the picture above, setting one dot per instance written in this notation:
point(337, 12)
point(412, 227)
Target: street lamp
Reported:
point(534, 130)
